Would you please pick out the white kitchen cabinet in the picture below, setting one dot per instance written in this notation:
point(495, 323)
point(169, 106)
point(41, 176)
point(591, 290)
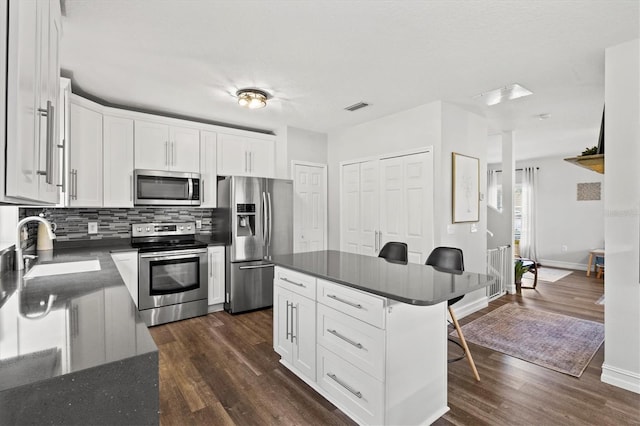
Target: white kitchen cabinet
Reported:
point(208, 169)
point(380, 361)
point(117, 161)
point(216, 274)
point(85, 154)
point(294, 323)
point(159, 146)
point(388, 199)
point(33, 70)
point(127, 265)
point(245, 156)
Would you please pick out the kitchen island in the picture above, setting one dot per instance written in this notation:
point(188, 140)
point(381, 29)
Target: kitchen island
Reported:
point(73, 348)
point(368, 334)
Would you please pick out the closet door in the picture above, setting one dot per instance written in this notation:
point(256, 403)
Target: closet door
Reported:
point(369, 202)
point(350, 208)
point(418, 205)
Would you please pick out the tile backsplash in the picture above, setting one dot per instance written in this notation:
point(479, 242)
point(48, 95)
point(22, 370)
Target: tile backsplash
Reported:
point(72, 223)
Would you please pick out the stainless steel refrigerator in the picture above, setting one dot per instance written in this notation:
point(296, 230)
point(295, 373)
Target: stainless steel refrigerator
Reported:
point(255, 219)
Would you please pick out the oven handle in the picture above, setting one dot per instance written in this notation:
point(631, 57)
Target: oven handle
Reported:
point(173, 255)
point(268, 265)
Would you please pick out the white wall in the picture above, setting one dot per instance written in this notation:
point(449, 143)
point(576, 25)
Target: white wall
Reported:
point(306, 145)
point(448, 129)
point(562, 220)
point(622, 217)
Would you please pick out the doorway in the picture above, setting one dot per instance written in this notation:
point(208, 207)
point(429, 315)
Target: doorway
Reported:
point(309, 206)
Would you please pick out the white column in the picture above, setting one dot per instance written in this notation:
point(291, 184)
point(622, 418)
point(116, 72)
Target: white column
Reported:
point(508, 186)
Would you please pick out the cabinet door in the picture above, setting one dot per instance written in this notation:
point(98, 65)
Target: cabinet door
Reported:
point(22, 149)
point(261, 157)
point(216, 275)
point(118, 162)
point(127, 265)
point(208, 169)
point(85, 157)
point(232, 156)
point(303, 311)
point(282, 323)
point(151, 145)
point(184, 154)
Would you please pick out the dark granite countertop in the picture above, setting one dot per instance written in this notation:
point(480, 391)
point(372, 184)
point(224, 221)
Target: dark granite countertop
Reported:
point(411, 283)
point(54, 325)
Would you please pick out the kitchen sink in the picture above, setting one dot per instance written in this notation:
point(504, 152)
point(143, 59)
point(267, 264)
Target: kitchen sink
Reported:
point(47, 269)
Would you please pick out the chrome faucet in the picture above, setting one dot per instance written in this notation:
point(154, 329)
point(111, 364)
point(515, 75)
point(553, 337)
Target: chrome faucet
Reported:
point(19, 256)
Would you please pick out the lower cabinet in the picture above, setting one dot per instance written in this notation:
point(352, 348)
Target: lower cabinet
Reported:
point(216, 275)
point(378, 360)
point(127, 264)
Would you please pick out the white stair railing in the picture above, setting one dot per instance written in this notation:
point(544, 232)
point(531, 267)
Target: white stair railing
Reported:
point(498, 264)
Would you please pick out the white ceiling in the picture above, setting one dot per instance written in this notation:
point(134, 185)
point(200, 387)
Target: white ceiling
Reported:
point(316, 57)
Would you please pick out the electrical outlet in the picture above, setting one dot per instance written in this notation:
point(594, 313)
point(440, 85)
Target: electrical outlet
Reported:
point(198, 224)
point(474, 227)
point(93, 228)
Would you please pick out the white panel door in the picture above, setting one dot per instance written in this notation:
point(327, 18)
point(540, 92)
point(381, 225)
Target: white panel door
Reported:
point(309, 207)
point(151, 145)
point(392, 205)
point(369, 202)
point(118, 161)
point(418, 211)
point(350, 208)
point(184, 149)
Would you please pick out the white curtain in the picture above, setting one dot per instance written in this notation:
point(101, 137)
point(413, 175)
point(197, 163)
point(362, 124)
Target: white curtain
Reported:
point(492, 188)
point(528, 241)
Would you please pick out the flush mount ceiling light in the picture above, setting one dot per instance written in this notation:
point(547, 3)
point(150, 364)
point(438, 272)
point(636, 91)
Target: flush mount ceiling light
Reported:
point(506, 93)
point(252, 98)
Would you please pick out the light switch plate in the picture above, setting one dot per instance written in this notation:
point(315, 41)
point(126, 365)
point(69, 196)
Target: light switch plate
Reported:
point(93, 228)
point(474, 227)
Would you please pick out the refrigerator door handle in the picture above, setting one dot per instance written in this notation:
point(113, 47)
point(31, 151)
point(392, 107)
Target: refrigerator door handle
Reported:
point(269, 218)
point(267, 265)
point(264, 218)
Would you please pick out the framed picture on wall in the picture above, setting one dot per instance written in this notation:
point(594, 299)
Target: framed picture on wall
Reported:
point(465, 188)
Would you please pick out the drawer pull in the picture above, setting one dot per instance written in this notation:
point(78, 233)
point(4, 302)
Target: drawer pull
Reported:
point(334, 297)
point(344, 385)
point(293, 282)
point(346, 339)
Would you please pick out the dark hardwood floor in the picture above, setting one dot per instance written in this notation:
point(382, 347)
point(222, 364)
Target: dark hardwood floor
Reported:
point(221, 369)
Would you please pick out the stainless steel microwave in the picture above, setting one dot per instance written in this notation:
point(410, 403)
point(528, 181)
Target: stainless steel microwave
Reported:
point(165, 188)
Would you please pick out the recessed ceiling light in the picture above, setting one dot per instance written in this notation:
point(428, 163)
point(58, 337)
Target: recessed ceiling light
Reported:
point(252, 98)
point(506, 93)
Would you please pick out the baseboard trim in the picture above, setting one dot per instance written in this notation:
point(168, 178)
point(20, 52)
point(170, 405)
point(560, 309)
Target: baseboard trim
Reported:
point(462, 311)
point(562, 265)
point(621, 378)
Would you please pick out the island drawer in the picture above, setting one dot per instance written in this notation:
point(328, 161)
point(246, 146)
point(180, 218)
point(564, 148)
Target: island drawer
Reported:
point(354, 391)
point(363, 306)
point(356, 341)
point(296, 282)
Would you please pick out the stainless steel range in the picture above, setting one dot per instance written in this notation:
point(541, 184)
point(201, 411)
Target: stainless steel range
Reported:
point(172, 271)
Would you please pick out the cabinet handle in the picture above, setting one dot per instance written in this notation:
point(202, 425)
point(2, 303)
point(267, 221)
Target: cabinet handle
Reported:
point(210, 265)
point(250, 161)
point(166, 153)
point(202, 191)
point(375, 241)
point(334, 297)
point(75, 180)
point(293, 282)
point(246, 162)
point(346, 339)
point(287, 320)
point(379, 239)
point(344, 385)
point(130, 187)
point(292, 318)
point(48, 171)
point(63, 173)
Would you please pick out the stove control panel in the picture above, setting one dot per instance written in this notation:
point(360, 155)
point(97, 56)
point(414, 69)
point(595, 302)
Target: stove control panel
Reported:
point(162, 229)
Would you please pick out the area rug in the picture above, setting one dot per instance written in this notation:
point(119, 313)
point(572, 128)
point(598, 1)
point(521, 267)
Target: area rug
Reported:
point(554, 341)
point(551, 274)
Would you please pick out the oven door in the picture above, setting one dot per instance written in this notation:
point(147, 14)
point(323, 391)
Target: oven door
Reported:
point(172, 277)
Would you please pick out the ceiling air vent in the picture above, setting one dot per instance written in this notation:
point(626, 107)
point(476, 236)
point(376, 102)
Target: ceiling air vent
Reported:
point(357, 106)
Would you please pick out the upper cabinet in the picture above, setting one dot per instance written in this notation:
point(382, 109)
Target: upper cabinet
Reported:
point(208, 167)
point(85, 154)
point(117, 161)
point(32, 89)
point(162, 147)
point(246, 156)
